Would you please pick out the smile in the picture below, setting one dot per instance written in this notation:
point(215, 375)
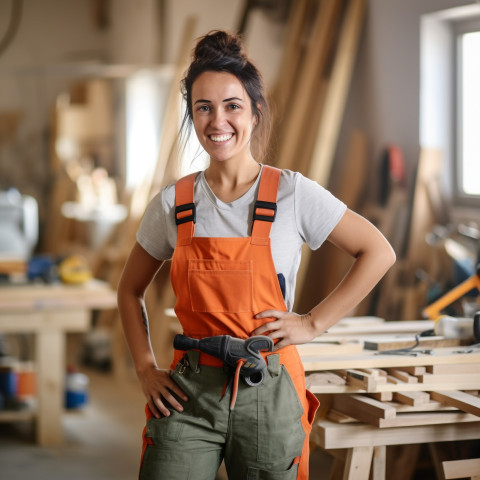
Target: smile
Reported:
point(221, 138)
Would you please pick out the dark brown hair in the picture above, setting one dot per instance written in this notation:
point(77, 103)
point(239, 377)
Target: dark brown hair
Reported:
point(219, 51)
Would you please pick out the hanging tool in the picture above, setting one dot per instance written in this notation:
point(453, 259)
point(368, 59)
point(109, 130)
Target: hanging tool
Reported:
point(233, 352)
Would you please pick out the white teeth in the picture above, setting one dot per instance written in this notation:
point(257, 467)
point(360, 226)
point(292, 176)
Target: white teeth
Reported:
point(221, 138)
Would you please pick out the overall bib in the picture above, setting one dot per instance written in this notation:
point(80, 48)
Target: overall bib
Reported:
point(220, 285)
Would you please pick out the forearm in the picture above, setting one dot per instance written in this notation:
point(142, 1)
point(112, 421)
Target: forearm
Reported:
point(135, 324)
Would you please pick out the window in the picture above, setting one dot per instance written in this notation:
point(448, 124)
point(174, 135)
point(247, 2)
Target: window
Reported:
point(468, 113)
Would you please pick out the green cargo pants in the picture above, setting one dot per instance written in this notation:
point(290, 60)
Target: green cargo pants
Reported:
point(259, 440)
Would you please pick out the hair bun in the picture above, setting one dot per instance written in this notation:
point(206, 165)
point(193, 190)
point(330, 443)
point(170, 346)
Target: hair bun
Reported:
point(219, 44)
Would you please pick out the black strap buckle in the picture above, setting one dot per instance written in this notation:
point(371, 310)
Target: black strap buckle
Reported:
point(187, 218)
point(267, 206)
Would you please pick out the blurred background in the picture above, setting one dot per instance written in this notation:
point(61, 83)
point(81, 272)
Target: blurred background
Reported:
point(376, 100)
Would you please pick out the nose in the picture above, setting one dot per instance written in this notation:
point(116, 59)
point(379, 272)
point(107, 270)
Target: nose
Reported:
point(218, 118)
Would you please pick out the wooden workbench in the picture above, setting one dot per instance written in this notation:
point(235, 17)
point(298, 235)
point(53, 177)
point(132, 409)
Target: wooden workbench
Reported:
point(49, 312)
point(371, 400)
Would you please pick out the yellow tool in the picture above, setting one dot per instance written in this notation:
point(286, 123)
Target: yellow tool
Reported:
point(74, 270)
point(434, 309)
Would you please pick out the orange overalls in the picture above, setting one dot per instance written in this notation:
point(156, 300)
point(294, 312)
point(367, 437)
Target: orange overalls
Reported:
point(222, 283)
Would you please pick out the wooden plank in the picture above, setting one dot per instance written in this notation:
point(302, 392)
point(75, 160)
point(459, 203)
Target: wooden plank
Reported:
point(369, 359)
point(403, 376)
point(305, 87)
point(50, 346)
point(325, 378)
point(412, 398)
point(337, 92)
point(362, 329)
point(390, 343)
point(331, 435)
point(339, 417)
point(381, 396)
point(357, 463)
point(429, 418)
point(450, 378)
point(172, 111)
point(291, 58)
point(461, 468)
point(363, 408)
point(443, 369)
point(330, 348)
point(361, 379)
point(389, 387)
point(413, 370)
point(461, 400)
point(379, 462)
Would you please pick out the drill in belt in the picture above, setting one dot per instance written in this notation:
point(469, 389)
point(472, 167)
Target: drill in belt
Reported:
point(242, 355)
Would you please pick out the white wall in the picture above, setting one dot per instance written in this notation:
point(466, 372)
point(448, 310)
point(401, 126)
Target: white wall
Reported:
point(384, 99)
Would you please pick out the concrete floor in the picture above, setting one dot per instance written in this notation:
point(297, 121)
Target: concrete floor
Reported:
point(101, 443)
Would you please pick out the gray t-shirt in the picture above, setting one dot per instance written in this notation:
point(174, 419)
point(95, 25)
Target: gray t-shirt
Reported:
point(306, 213)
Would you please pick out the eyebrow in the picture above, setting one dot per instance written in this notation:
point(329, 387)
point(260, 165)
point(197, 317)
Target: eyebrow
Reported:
point(201, 100)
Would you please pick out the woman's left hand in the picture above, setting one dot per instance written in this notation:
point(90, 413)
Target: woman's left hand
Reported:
point(289, 327)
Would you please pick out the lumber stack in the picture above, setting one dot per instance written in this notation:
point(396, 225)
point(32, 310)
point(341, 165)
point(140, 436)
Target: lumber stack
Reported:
point(309, 100)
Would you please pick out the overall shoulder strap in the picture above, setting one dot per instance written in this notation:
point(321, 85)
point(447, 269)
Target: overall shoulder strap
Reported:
point(265, 208)
point(185, 214)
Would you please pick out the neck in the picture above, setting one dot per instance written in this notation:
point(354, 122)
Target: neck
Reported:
point(230, 180)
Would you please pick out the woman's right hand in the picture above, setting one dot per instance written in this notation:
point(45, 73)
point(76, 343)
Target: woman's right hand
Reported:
point(158, 386)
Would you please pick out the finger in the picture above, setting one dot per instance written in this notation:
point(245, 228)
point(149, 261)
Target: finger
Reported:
point(267, 327)
point(177, 390)
point(153, 408)
point(173, 402)
point(269, 313)
point(161, 407)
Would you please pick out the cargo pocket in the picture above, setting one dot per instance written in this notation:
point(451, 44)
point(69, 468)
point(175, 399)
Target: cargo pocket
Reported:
point(162, 436)
point(158, 468)
point(257, 474)
point(220, 285)
point(280, 431)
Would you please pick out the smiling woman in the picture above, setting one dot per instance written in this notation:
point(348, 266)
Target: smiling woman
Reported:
point(234, 233)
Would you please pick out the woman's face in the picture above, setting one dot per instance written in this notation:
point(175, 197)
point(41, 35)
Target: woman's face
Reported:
point(222, 116)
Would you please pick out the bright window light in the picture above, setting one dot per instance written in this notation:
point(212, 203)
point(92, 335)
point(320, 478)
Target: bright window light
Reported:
point(143, 127)
point(470, 108)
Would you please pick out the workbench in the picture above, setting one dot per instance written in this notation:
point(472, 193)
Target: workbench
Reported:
point(371, 399)
point(49, 312)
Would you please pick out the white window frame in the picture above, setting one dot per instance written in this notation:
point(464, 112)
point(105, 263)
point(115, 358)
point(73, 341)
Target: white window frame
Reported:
point(459, 29)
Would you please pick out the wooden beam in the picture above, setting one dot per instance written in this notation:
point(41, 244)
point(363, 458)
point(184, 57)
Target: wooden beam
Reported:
point(328, 434)
point(429, 418)
point(371, 360)
point(364, 409)
point(337, 92)
point(305, 88)
point(412, 398)
point(461, 468)
point(172, 109)
point(357, 463)
point(461, 400)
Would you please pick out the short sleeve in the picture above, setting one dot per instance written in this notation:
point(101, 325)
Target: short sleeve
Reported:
point(153, 233)
point(317, 211)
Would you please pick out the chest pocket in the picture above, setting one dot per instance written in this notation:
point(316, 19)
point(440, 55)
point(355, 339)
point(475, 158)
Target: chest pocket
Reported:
point(220, 285)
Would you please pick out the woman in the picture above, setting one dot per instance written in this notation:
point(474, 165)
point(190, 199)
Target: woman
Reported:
point(233, 271)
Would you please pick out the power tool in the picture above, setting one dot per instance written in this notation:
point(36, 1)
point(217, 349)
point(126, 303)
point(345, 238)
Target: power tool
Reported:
point(233, 352)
